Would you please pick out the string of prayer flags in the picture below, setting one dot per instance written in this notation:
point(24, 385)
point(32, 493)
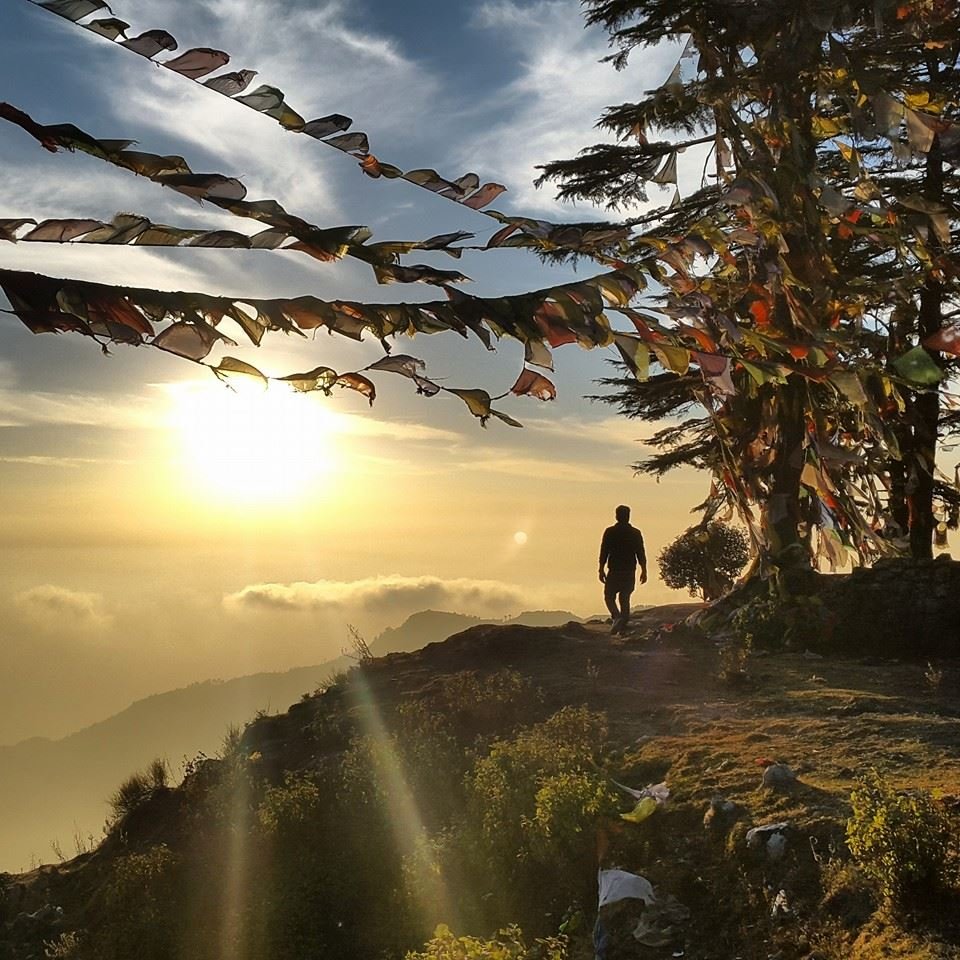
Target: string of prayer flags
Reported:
point(126, 315)
point(197, 62)
point(133, 229)
point(635, 354)
point(467, 190)
point(533, 384)
point(410, 367)
point(130, 315)
point(479, 404)
point(229, 194)
point(946, 339)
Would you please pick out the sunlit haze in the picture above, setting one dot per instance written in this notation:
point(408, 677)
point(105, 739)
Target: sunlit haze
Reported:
point(161, 528)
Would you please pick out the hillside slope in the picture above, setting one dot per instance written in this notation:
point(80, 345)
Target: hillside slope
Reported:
point(55, 791)
point(474, 782)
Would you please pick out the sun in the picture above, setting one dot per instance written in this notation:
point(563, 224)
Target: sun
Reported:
point(252, 445)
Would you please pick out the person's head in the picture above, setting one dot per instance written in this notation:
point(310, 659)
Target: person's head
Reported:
point(623, 514)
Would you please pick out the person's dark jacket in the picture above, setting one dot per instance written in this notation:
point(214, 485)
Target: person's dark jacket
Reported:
point(622, 546)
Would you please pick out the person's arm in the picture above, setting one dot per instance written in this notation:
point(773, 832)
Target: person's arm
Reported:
point(604, 554)
point(641, 557)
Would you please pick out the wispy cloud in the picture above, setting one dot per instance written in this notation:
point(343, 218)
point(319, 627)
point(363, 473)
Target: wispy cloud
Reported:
point(549, 469)
point(548, 112)
point(403, 430)
point(61, 607)
point(44, 461)
point(606, 431)
point(314, 54)
point(387, 596)
point(21, 408)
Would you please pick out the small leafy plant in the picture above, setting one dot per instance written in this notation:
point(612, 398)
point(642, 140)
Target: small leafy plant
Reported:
point(905, 842)
point(507, 945)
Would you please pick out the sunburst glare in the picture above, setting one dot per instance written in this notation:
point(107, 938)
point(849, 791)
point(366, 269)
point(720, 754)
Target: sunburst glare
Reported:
point(251, 445)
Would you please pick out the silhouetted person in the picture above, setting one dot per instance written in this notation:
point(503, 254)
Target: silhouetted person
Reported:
point(621, 550)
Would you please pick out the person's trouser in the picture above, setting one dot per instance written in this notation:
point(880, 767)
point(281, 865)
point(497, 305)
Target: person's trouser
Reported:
point(616, 593)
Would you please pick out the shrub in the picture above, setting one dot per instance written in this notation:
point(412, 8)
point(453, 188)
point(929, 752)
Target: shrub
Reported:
point(759, 623)
point(135, 789)
point(507, 945)
point(905, 842)
point(65, 947)
point(471, 703)
point(733, 659)
point(566, 804)
point(507, 780)
point(140, 903)
point(289, 806)
point(536, 799)
point(705, 559)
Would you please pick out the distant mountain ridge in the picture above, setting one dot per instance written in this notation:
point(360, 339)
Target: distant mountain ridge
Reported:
point(54, 790)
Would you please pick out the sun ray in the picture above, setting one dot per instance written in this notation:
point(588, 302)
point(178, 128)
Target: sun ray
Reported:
point(432, 898)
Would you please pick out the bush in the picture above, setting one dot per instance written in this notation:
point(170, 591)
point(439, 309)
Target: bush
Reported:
point(286, 808)
point(507, 945)
point(567, 804)
point(759, 622)
point(475, 704)
point(135, 789)
point(507, 781)
point(705, 559)
point(905, 842)
point(140, 903)
point(65, 947)
point(536, 801)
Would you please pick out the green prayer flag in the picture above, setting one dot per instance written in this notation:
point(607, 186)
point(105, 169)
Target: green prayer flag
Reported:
point(918, 366)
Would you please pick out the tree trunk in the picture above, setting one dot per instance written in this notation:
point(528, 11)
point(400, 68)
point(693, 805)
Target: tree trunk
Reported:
point(899, 509)
point(926, 411)
point(782, 513)
point(926, 406)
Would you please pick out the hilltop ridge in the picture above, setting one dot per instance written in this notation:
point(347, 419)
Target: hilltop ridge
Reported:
point(416, 743)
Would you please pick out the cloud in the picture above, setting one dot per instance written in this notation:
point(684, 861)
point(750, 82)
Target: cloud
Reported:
point(322, 63)
point(614, 432)
point(20, 408)
point(549, 111)
point(549, 469)
point(383, 596)
point(51, 606)
point(44, 461)
point(360, 425)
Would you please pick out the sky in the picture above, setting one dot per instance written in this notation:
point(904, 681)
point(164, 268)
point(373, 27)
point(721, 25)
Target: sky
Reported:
point(158, 529)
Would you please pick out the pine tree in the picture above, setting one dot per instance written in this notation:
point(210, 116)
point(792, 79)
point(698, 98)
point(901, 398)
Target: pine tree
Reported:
point(808, 436)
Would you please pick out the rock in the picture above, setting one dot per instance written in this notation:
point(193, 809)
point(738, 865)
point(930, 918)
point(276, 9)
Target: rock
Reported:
point(778, 776)
point(776, 845)
point(760, 836)
point(720, 814)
